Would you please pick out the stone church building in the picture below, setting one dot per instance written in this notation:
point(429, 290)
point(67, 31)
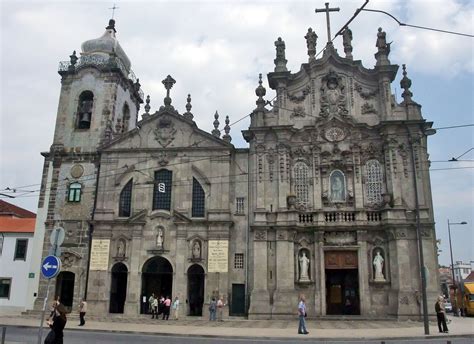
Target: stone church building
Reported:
point(322, 203)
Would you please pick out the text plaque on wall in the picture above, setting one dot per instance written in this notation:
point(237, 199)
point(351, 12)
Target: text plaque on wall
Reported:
point(218, 256)
point(100, 254)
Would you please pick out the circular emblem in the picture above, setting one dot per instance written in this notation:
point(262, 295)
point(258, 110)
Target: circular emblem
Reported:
point(334, 134)
point(77, 171)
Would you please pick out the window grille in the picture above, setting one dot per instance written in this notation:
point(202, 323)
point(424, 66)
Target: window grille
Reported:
point(198, 199)
point(125, 203)
point(21, 249)
point(74, 192)
point(374, 184)
point(239, 261)
point(162, 198)
point(240, 205)
point(301, 175)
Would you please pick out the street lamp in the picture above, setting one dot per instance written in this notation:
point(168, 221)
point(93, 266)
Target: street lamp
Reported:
point(455, 305)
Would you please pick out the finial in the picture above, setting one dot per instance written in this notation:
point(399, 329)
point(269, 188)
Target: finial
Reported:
point(405, 83)
point(111, 25)
point(347, 42)
point(280, 61)
point(188, 114)
point(147, 105)
point(260, 91)
point(311, 38)
point(216, 131)
point(168, 83)
point(227, 137)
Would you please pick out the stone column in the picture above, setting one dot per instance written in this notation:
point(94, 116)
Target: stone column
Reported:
point(259, 297)
point(134, 279)
point(364, 292)
point(318, 276)
point(180, 282)
point(322, 276)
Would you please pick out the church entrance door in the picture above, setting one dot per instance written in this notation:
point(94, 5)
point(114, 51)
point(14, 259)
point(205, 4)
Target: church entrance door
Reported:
point(342, 283)
point(195, 289)
point(65, 288)
point(157, 278)
point(118, 288)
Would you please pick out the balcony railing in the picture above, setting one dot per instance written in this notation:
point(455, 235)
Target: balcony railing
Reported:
point(340, 216)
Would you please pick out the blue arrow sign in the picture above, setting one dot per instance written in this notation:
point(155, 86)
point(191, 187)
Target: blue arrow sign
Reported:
point(50, 266)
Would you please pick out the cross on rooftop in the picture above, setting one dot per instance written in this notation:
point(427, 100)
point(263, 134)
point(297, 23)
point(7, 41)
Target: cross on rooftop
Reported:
point(327, 10)
point(113, 10)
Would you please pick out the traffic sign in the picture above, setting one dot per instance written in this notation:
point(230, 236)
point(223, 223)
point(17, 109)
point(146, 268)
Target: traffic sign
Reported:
point(57, 236)
point(50, 266)
point(55, 251)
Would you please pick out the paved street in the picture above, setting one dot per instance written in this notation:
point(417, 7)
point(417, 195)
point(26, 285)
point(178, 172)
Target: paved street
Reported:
point(23, 335)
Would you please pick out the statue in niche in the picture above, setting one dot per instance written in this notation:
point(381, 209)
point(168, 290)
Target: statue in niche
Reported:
point(378, 267)
point(196, 250)
point(333, 100)
point(121, 248)
point(304, 267)
point(159, 238)
point(338, 188)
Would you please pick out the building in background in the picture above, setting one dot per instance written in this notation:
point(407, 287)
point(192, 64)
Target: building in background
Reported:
point(462, 270)
point(323, 202)
point(17, 227)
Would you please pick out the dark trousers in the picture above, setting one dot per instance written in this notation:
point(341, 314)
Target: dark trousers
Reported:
point(81, 318)
point(166, 312)
point(442, 321)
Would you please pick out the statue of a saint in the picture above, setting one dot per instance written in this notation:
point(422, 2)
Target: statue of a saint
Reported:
point(378, 265)
point(196, 250)
point(120, 248)
point(159, 238)
point(347, 42)
point(311, 38)
point(280, 49)
point(304, 267)
point(381, 44)
point(337, 187)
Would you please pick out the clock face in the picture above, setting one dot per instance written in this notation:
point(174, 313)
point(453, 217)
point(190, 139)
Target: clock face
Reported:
point(334, 134)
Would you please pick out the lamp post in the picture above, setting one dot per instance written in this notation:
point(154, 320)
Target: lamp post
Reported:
point(455, 305)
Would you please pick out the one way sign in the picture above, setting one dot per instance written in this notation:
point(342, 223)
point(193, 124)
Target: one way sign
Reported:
point(50, 266)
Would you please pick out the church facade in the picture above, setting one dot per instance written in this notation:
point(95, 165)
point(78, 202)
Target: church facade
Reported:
point(325, 202)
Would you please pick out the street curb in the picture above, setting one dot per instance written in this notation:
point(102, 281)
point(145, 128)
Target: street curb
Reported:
point(302, 339)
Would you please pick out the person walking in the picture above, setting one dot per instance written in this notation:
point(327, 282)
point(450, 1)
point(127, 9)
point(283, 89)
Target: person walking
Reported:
point(441, 315)
point(220, 309)
point(166, 308)
point(212, 310)
point(176, 308)
point(150, 303)
point(82, 312)
point(154, 308)
point(302, 315)
point(56, 335)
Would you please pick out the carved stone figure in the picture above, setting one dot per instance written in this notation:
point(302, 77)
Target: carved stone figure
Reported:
point(311, 38)
point(347, 42)
point(280, 48)
point(196, 250)
point(333, 100)
point(159, 238)
point(165, 132)
point(304, 267)
point(381, 44)
point(338, 190)
point(378, 267)
point(121, 248)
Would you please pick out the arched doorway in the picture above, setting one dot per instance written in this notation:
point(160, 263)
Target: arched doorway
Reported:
point(195, 289)
point(118, 288)
point(157, 278)
point(65, 288)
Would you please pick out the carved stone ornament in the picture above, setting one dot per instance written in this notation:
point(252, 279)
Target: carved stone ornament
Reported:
point(68, 259)
point(298, 112)
point(340, 238)
point(333, 99)
point(367, 108)
point(298, 97)
point(261, 235)
point(165, 131)
point(77, 171)
point(365, 94)
point(334, 134)
point(404, 300)
point(163, 158)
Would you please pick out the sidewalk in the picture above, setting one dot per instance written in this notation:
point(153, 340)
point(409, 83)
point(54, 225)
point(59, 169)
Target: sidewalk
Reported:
point(324, 329)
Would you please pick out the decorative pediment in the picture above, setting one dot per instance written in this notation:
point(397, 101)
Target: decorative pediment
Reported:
point(179, 217)
point(139, 216)
point(123, 172)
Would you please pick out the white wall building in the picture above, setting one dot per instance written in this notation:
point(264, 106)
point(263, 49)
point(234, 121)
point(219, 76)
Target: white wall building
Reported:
point(462, 270)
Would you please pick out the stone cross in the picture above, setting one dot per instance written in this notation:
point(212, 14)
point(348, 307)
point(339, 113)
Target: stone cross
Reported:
point(327, 10)
point(113, 10)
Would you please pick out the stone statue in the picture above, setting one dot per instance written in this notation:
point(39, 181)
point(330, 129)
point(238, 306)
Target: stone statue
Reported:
point(311, 38)
point(381, 43)
point(337, 187)
point(304, 267)
point(120, 248)
point(280, 49)
point(378, 265)
point(347, 42)
point(196, 250)
point(159, 238)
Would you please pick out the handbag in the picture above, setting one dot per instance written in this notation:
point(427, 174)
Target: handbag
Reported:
point(50, 338)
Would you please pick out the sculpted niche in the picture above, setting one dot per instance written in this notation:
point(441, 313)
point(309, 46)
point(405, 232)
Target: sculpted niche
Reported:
point(333, 98)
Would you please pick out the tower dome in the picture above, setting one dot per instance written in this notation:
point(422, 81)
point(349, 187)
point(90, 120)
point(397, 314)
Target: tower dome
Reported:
point(106, 45)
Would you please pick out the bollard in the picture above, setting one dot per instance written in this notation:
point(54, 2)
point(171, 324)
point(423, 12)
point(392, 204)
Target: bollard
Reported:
point(4, 333)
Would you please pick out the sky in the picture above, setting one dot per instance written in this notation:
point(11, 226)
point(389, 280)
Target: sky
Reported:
point(215, 51)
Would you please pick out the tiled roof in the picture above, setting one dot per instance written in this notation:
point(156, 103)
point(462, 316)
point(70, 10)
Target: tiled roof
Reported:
point(15, 225)
point(470, 277)
point(10, 209)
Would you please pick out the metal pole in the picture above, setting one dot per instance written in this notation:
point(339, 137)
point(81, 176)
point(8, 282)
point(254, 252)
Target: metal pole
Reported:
point(40, 332)
point(455, 304)
point(4, 334)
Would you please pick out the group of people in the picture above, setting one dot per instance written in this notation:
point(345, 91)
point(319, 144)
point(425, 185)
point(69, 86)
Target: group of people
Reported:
point(216, 308)
point(161, 305)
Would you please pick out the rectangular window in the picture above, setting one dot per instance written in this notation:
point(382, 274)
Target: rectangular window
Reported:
point(198, 209)
point(240, 205)
point(5, 284)
point(162, 190)
point(74, 192)
point(20, 249)
point(239, 261)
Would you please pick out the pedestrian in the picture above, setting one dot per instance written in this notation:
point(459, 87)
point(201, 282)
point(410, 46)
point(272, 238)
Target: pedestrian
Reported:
point(82, 312)
point(176, 308)
point(220, 309)
point(56, 335)
point(161, 303)
point(154, 307)
point(166, 308)
point(54, 304)
point(212, 309)
point(302, 315)
point(441, 315)
point(150, 303)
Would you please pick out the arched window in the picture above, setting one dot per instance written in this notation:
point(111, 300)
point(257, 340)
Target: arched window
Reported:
point(199, 196)
point(125, 203)
point(162, 190)
point(74, 192)
point(84, 110)
point(126, 117)
point(374, 181)
point(301, 175)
